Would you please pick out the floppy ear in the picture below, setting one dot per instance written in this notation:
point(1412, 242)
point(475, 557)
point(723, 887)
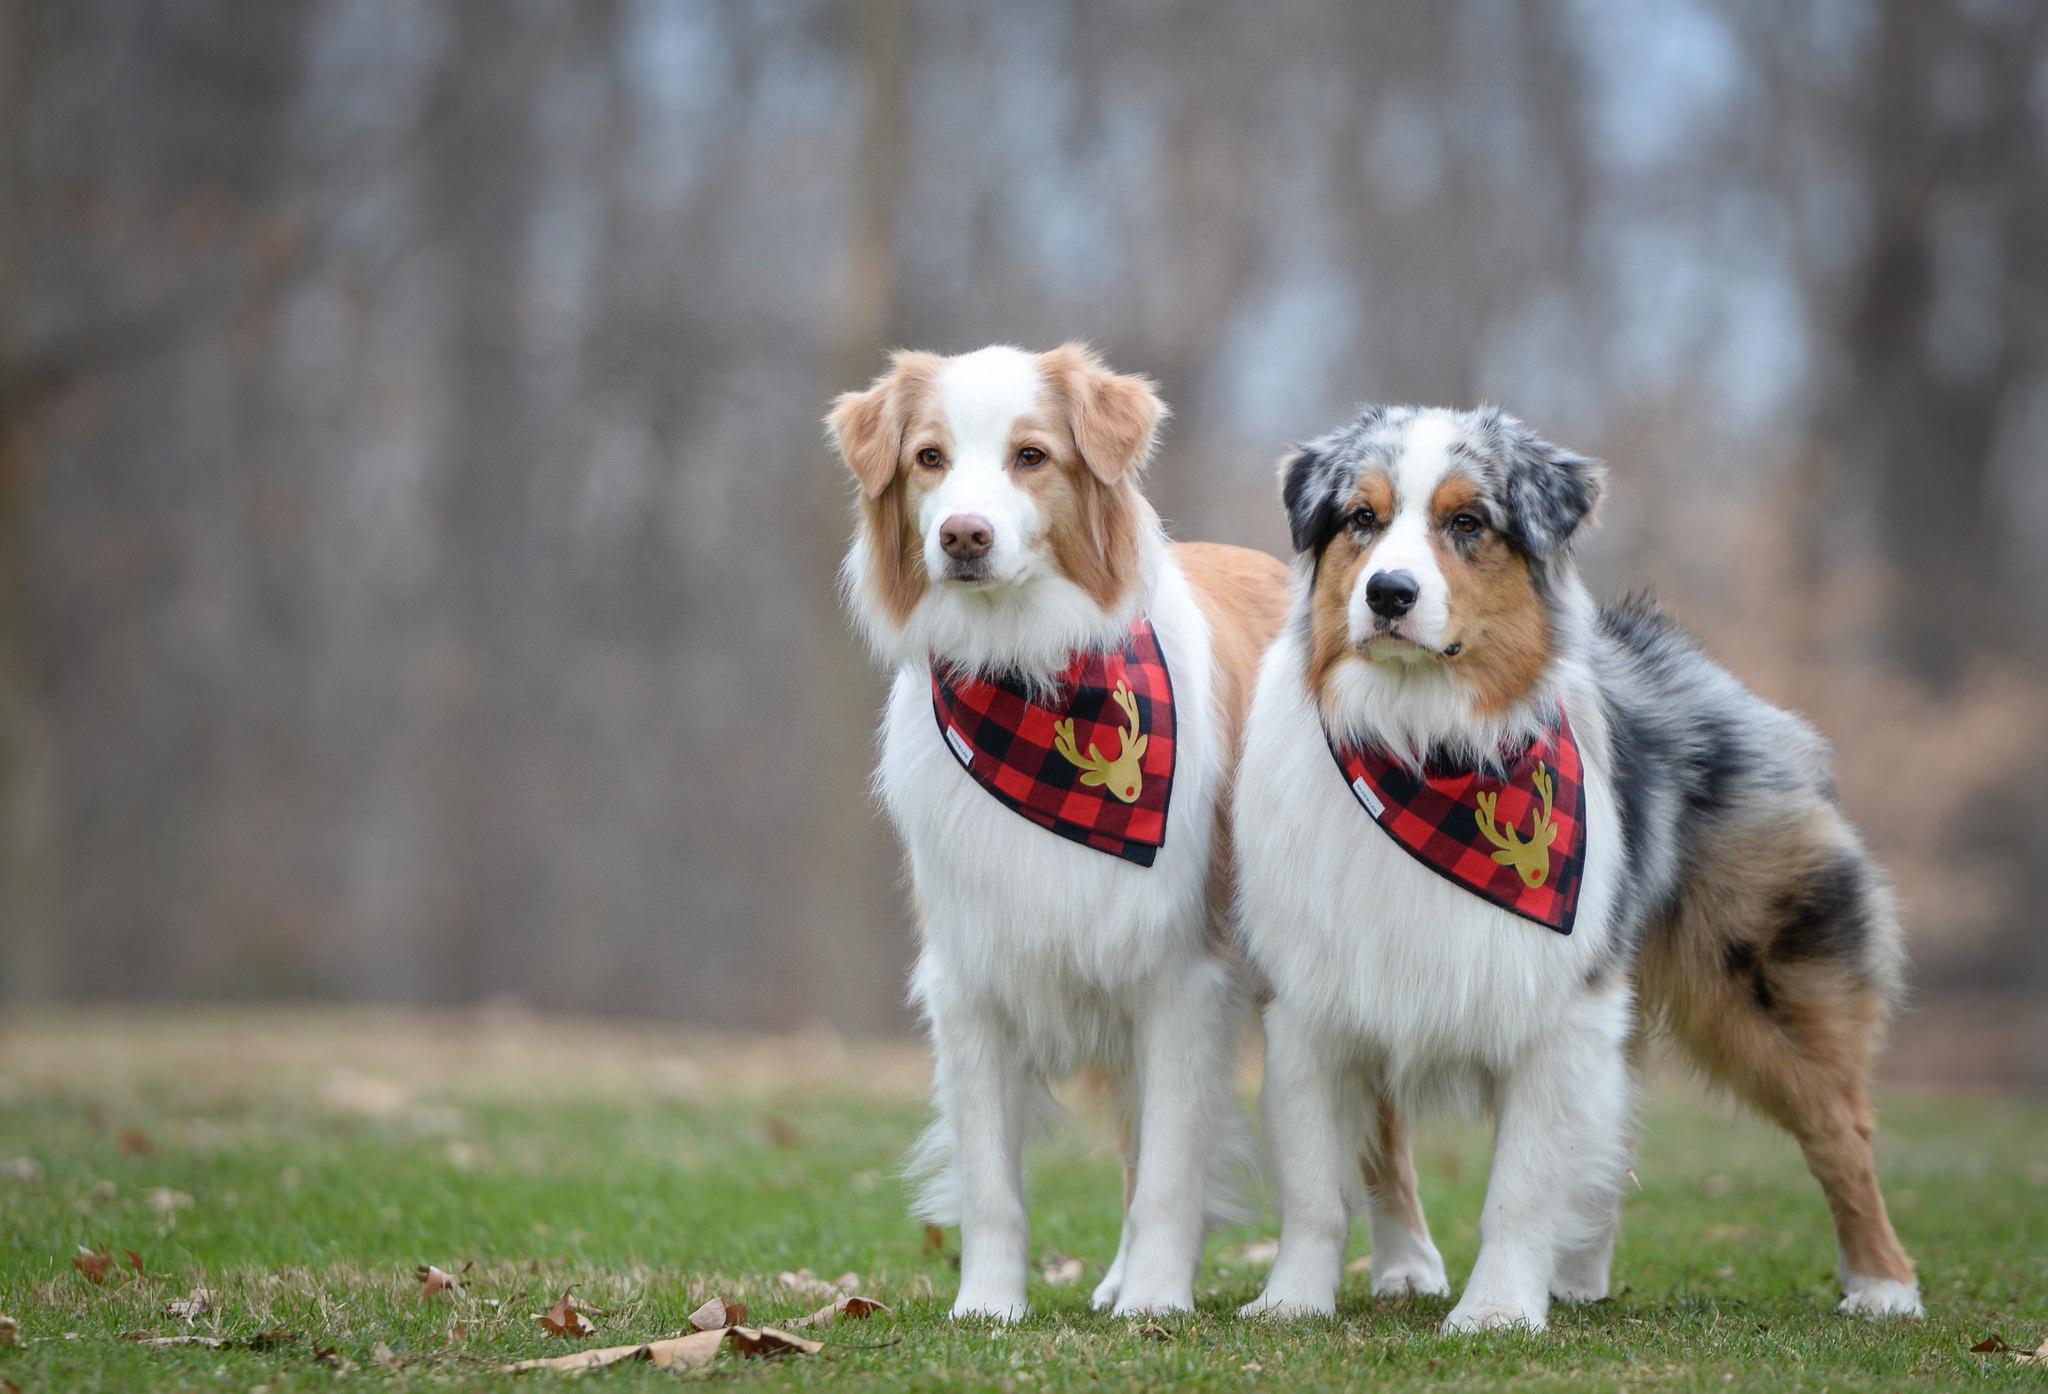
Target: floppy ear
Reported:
point(1312, 517)
point(869, 434)
point(1114, 416)
point(1550, 490)
point(868, 426)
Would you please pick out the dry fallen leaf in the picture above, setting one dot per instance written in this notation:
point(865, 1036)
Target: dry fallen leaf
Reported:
point(805, 1283)
point(566, 1317)
point(782, 1133)
point(1990, 1345)
point(93, 1265)
point(135, 1142)
point(275, 1336)
point(851, 1305)
point(134, 1261)
point(761, 1342)
point(1059, 1270)
point(10, 1333)
point(1153, 1331)
point(386, 1357)
point(2036, 1356)
point(210, 1342)
point(433, 1280)
point(192, 1307)
point(330, 1356)
point(691, 1352)
point(717, 1313)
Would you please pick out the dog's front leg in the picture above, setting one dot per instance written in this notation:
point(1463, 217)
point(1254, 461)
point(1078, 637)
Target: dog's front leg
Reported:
point(1183, 1063)
point(1313, 1150)
point(1560, 1149)
point(982, 1087)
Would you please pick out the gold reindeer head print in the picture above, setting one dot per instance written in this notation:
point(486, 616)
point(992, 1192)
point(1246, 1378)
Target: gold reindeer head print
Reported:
point(1121, 776)
point(1532, 858)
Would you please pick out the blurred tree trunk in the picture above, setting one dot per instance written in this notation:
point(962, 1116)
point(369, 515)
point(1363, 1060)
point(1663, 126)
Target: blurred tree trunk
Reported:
point(26, 963)
point(1947, 333)
point(852, 918)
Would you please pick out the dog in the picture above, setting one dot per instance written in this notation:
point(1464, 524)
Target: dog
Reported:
point(1056, 751)
point(1489, 833)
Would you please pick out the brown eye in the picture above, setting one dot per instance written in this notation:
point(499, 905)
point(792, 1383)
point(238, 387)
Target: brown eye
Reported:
point(1030, 457)
point(930, 457)
point(1364, 518)
point(1467, 523)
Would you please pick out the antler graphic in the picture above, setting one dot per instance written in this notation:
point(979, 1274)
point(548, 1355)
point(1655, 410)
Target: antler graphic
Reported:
point(1531, 858)
point(1121, 775)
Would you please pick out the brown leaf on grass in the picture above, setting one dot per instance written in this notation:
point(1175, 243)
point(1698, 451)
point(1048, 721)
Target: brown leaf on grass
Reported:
point(852, 1305)
point(1153, 1331)
point(1060, 1270)
point(1990, 1345)
point(2036, 1356)
point(329, 1356)
point(782, 1133)
point(934, 1241)
point(10, 1333)
point(763, 1342)
point(691, 1352)
point(193, 1306)
point(717, 1313)
point(271, 1339)
point(134, 1261)
point(135, 1142)
point(805, 1283)
point(387, 1357)
point(433, 1280)
point(566, 1317)
point(93, 1265)
point(8, 1386)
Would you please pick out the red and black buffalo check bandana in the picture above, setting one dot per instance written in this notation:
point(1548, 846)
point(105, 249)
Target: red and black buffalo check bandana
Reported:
point(1093, 761)
point(1518, 841)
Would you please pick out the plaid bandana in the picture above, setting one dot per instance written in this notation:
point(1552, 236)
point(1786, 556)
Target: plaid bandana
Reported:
point(1094, 765)
point(1468, 825)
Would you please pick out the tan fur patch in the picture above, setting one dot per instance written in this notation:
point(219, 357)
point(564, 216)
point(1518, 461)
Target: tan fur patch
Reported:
point(1389, 1169)
point(1496, 616)
point(1336, 575)
point(1113, 417)
point(1243, 595)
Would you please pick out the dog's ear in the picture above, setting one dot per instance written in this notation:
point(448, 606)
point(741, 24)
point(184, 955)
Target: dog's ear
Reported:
point(868, 426)
point(1115, 417)
point(1312, 516)
point(1550, 491)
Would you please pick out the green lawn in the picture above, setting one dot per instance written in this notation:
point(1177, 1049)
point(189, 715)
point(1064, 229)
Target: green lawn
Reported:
point(301, 1166)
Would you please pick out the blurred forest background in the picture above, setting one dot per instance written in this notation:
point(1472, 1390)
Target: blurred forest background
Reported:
point(416, 531)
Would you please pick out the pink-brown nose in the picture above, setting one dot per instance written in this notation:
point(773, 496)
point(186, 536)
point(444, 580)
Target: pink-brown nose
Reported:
point(966, 536)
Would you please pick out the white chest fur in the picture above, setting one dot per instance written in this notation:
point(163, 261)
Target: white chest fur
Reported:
point(1389, 958)
point(1053, 934)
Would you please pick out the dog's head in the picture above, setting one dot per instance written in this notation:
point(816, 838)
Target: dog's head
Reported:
point(1435, 541)
point(996, 473)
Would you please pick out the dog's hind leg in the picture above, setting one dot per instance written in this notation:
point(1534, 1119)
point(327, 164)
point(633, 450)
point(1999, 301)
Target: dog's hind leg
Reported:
point(1584, 1264)
point(1112, 1284)
point(1778, 975)
point(1404, 1258)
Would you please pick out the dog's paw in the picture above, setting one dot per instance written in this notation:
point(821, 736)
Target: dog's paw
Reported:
point(1490, 1316)
point(1562, 1290)
point(1108, 1290)
point(988, 1309)
point(1880, 1297)
point(1420, 1275)
point(1266, 1304)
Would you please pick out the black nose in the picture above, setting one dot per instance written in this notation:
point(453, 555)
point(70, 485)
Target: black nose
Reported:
point(1392, 593)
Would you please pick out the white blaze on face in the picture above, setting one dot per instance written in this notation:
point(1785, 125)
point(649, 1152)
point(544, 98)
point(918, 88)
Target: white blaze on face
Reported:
point(982, 393)
point(1423, 460)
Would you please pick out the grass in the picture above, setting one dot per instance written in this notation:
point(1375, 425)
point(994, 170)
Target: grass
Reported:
point(301, 1165)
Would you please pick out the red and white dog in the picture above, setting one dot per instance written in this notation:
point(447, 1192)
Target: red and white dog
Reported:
point(1056, 753)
